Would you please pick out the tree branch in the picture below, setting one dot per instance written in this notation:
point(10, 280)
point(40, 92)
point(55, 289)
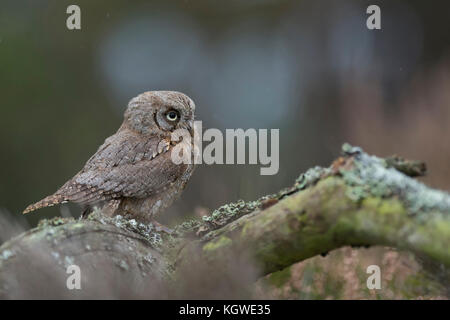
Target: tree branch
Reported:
point(360, 200)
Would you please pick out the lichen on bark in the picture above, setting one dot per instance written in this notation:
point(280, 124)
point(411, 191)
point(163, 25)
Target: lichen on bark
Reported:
point(360, 200)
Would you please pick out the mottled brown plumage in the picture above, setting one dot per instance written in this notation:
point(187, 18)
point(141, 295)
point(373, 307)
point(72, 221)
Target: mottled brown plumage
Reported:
point(132, 173)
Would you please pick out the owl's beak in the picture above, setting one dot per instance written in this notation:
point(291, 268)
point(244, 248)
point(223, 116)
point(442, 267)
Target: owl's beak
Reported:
point(189, 126)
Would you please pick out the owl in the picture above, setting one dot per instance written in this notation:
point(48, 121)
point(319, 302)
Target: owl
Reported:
point(132, 173)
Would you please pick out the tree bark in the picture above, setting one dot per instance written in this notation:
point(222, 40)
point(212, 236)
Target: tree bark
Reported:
point(360, 200)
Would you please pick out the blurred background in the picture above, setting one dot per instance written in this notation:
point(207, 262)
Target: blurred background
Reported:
point(310, 68)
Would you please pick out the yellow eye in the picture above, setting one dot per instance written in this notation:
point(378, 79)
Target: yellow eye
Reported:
point(172, 115)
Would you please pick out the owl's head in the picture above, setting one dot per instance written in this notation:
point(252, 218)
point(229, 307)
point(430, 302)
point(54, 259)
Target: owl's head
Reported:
point(160, 112)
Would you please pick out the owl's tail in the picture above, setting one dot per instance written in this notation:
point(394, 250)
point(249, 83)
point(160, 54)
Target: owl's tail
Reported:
point(46, 202)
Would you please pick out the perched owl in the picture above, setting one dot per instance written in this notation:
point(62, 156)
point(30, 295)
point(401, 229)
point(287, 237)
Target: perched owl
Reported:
point(132, 173)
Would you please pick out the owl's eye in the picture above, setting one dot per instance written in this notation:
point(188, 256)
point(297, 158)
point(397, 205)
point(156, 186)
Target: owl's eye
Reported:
point(172, 115)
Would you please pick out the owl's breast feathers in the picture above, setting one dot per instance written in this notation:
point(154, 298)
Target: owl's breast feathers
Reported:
point(125, 166)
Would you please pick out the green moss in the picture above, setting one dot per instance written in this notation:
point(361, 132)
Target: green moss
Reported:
point(220, 242)
point(372, 202)
point(384, 207)
point(232, 211)
point(420, 284)
point(280, 278)
point(391, 206)
point(245, 229)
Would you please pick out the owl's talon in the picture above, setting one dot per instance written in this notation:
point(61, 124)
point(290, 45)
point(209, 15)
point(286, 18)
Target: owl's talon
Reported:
point(86, 211)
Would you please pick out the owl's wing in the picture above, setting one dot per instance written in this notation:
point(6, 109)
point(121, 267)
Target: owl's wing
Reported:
point(124, 166)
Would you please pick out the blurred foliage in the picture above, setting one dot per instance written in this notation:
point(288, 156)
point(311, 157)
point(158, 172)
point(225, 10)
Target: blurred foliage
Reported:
point(300, 66)
point(310, 68)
